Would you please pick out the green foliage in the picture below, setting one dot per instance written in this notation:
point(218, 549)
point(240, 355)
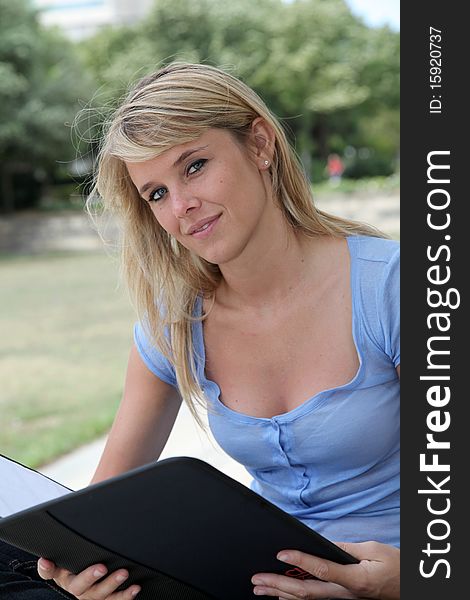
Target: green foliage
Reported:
point(42, 86)
point(332, 80)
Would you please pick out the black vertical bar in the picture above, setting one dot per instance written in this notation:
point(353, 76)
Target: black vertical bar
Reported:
point(434, 232)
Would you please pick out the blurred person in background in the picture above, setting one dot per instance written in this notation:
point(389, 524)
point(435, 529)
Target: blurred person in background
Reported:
point(335, 168)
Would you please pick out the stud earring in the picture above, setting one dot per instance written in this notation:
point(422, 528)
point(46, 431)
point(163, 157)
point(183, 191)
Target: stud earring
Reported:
point(266, 162)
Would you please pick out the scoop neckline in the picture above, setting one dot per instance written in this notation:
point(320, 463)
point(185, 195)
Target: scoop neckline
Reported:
point(309, 404)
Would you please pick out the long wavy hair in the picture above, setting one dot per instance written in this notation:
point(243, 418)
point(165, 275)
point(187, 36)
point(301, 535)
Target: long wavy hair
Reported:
point(176, 105)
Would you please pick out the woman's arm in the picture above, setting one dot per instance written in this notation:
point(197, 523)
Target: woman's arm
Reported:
point(139, 433)
point(143, 423)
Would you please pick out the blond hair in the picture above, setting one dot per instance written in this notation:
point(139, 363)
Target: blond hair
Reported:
point(176, 105)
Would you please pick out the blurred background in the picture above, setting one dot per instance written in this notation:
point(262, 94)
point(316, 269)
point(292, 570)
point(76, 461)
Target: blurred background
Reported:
point(329, 69)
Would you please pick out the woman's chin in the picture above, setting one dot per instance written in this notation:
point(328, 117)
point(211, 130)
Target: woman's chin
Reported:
point(220, 252)
point(216, 255)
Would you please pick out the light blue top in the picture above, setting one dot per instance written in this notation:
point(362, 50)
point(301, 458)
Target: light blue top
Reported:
point(332, 462)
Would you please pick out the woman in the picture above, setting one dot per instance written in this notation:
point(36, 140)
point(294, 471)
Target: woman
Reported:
point(281, 319)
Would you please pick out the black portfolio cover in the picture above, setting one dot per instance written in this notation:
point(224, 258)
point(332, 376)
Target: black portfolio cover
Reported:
point(183, 529)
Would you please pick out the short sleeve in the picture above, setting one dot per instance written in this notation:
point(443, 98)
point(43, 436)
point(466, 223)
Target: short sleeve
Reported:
point(389, 308)
point(155, 361)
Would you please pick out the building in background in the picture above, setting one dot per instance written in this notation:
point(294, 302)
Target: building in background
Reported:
point(81, 18)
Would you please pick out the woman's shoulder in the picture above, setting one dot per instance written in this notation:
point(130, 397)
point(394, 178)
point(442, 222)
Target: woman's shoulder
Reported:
point(374, 249)
point(376, 282)
point(375, 262)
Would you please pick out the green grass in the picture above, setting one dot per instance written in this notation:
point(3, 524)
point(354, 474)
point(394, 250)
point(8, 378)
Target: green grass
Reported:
point(65, 333)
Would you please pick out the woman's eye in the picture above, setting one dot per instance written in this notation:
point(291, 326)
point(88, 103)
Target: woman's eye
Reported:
point(157, 194)
point(196, 166)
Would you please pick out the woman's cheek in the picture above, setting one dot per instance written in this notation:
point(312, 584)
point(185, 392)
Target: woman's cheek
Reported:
point(168, 223)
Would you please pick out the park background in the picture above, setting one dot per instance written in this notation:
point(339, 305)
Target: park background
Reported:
point(328, 73)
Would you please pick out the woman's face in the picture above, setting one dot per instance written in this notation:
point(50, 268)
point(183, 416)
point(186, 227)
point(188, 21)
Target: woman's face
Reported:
point(211, 194)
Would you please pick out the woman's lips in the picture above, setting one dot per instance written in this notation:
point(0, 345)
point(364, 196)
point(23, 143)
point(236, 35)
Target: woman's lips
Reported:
point(205, 230)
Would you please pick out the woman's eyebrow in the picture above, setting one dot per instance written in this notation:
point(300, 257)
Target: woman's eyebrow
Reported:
point(178, 161)
point(188, 153)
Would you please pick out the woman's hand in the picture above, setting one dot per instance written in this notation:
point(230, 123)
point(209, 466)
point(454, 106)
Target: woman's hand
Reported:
point(89, 584)
point(377, 575)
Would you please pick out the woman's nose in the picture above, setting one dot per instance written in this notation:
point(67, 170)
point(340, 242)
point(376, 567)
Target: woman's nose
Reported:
point(183, 203)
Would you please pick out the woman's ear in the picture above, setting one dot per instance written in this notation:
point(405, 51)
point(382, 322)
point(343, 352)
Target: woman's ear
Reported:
point(262, 139)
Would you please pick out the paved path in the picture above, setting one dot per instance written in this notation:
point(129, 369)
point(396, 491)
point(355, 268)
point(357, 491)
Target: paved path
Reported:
point(382, 211)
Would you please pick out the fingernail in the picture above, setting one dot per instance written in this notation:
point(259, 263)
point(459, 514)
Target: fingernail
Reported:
point(121, 577)
point(45, 565)
point(135, 592)
point(283, 556)
point(257, 581)
point(99, 572)
point(258, 591)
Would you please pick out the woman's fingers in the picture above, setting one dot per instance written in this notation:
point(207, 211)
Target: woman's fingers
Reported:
point(268, 591)
point(106, 588)
point(79, 585)
point(128, 594)
point(90, 583)
point(48, 570)
point(325, 570)
point(73, 583)
point(270, 584)
point(353, 577)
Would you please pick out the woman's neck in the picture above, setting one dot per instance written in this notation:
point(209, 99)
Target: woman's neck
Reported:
point(289, 261)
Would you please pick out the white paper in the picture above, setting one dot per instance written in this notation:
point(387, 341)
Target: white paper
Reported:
point(21, 487)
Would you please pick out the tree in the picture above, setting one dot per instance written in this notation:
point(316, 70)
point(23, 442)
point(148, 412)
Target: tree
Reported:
point(42, 85)
point(331, 79)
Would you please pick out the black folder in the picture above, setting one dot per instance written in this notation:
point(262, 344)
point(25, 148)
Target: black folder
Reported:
point(183, 529)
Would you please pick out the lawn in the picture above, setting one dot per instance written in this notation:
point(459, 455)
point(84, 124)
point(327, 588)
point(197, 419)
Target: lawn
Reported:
point(65, 333)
